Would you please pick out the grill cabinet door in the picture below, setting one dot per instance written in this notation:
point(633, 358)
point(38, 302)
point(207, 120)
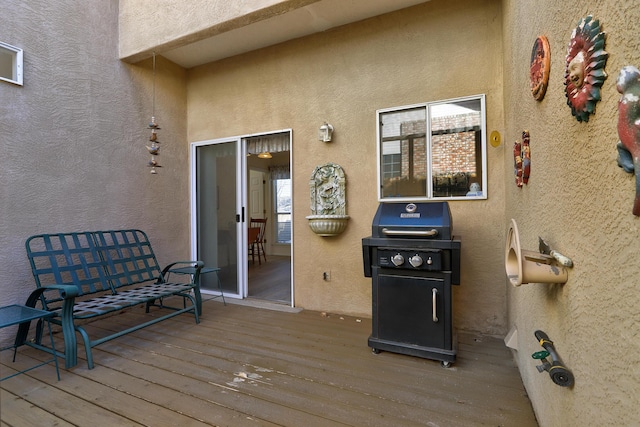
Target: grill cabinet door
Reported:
point(403, 310)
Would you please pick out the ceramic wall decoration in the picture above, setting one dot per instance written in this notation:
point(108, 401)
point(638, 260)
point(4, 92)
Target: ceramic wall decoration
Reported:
point(584, 71)
point(539, 68)
point(526, 157)
point(328, 200)
point(517, 162)
point(522, 160)
point(628, 84)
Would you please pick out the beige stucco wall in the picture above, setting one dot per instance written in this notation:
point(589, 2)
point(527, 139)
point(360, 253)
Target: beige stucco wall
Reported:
point(148, 25)
point(72, 157)
point(72, 139)
point(424, 53)
point(580, 201)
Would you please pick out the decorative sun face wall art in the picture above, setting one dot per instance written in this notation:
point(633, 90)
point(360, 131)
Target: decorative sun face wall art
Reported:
point(584, 71)
point(628, 84)
point(539, 68)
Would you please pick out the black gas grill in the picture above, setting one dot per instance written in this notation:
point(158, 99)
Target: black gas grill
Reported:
point(413, 260)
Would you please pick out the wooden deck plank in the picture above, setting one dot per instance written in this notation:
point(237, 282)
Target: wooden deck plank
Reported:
point(362, 353)
point(171, 390)
point(18, 412)
point(205, 383)
point(126, 404)
point(256, 382)
point(246, 366)
point(256, 386)
point(414, 382)
point(35, 389)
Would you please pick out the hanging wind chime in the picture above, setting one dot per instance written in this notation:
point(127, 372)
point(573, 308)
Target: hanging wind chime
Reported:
point(154, 148)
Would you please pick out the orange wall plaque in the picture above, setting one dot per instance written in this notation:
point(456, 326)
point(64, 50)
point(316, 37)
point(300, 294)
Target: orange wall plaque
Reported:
point(539, 68)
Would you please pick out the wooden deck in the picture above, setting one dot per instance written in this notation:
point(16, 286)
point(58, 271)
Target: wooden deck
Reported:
point(245, 366)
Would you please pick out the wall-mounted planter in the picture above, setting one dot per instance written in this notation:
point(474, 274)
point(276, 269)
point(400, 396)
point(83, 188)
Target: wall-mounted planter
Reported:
point(328, 225)
point(328, 200)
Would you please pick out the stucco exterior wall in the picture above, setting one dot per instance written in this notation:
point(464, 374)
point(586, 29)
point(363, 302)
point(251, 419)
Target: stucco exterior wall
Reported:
point(72, 139)
point(72, 157)
point(580, 201)
point(424, 53)
point(147, 25)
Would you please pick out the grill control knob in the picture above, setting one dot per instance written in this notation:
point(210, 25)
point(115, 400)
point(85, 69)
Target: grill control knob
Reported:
point(415, 261)
point(429, 261)
point(397, 260)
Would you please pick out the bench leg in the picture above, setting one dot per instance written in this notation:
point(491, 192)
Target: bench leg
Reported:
point(195, 302)
point(70, 349)
point(69, 335)
point(87, 346)
point(198, 296)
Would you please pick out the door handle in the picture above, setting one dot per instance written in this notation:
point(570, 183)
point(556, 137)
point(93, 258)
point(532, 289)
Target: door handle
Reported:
point(434, 293)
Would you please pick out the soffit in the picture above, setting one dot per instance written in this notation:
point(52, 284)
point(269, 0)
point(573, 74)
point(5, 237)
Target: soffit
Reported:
point(314, 18)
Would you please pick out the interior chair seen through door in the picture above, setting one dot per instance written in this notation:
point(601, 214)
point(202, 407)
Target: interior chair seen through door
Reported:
point(256, 247)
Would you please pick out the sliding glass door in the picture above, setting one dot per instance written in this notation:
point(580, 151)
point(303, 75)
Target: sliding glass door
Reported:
point(218, 213)
point(220, 209)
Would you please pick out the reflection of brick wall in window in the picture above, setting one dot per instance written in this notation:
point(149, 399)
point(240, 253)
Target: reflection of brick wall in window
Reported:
point(453, 145)
point(414, 131)
point(454, 152)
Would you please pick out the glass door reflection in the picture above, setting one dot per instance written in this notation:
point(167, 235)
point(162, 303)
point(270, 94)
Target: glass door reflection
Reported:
point(217, 226)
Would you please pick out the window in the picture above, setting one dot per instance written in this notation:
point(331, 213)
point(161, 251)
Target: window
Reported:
point(283, 210)
point(10, 64)
point(446, 162)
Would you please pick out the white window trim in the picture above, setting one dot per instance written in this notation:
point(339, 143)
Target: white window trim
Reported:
point(427, 105)
point(17, 55)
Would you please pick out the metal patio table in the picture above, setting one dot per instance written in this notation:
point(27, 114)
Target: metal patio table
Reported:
point(16, 314)
point(192, 270)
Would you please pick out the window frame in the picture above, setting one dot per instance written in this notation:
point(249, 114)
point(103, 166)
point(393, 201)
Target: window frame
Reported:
point(276, 212)
point(16, 55)
point(429, 193)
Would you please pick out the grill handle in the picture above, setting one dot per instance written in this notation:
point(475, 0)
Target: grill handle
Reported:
point(421, 233)
point(434, 292)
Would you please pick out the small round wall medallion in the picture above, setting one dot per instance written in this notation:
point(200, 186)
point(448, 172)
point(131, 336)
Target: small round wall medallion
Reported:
point(539, 67)
point(494, 138)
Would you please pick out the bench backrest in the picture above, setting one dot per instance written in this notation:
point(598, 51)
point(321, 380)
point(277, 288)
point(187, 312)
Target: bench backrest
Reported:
point(128, 257)
point(93, 261)
point(67, 259)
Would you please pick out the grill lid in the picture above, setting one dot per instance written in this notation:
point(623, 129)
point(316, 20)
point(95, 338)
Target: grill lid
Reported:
point(413, 220)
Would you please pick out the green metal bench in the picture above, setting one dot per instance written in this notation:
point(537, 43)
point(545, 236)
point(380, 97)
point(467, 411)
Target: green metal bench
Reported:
point(82, 276)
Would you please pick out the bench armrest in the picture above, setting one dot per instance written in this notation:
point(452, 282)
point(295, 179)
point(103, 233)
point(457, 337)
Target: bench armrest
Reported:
point(193, 264)
point(67, 293)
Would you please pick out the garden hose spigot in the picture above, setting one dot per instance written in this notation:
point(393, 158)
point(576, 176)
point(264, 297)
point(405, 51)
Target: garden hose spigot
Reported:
point(559, 374)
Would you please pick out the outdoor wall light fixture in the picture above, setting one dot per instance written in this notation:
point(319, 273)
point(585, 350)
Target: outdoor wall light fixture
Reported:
point(325, 131)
